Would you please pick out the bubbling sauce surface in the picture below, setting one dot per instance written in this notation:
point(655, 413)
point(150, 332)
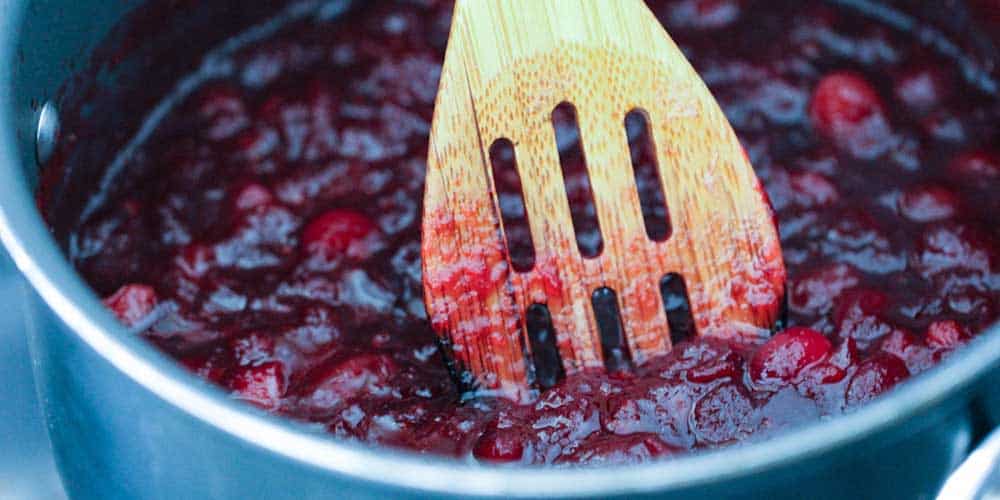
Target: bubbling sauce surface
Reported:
point(269, 239)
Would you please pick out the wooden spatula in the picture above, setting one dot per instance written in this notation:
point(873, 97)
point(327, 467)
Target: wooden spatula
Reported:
point(509, 64)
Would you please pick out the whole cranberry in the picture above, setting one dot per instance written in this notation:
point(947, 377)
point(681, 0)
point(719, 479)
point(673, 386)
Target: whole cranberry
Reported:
point(252, 349)
point(845, 355)
point(907, 347)
point(223, 111)
point(954, 247)
point(875, 376)
point(830, 371)
point(339, 231)
point(927, 203)
point(945, 126)
point(859, 302)
point(898, 343)
point(975, 167)
point(967, 300)
point(815, 292)
point(704, 14)
point(131, 303)
point(263, 385)
point(811, 190)
point(858, 238)
point(499, 445)
point(945, 335)
point(256, 143)
point(359, 375)
point(634, 448)
point(858, 315)
point(722, 415)
point(922, 88)
point(627, 414)
point(846, 109)
point(194, 260)
point(782, 358)
point(251, 196)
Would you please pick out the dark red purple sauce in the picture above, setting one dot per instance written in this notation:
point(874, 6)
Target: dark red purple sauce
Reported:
point(271, 239)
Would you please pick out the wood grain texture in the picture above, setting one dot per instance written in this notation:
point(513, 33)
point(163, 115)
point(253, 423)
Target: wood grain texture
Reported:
point(509, 63)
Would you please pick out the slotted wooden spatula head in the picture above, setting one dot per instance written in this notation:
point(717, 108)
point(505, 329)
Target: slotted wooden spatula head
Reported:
point(509, 64)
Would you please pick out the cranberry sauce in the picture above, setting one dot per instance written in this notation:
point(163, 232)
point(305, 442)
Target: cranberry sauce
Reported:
point(269, 239)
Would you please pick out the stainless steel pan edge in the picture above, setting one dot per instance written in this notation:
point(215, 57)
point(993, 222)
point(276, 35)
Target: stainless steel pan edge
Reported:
point(127, 423)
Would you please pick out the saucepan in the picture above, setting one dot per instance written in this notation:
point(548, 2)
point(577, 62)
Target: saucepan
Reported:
point(126, 422)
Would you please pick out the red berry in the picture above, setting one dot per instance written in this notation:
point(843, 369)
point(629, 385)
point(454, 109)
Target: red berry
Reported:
point(812, 378)
point(843, 99)
point(898, 343)
point(928, 203)
point(922, 89)
point(812, 190)
point(624, 415)
point(223, 111)
point(251, 196)
point(195, 260)
point(975, 167)
point(831, 371)
point(815, 292)
point(618, 450)
point(875, 376)
point(941, 125)
point(704, 14)
point(360, 375)
point(845, 355)
point(257, 143)
point(846, 109)
point(786, 354)
point(499, 445)
point(859, 302)
point(858, 238)
point(252, 349)
point(722, 415)
point(858, 315)
point(404, 81)
point(263, 385)
point(953, 248)
point(305, 122)
point(132, 303)
point(337, 232)
point(946, 335)
point(905, 346)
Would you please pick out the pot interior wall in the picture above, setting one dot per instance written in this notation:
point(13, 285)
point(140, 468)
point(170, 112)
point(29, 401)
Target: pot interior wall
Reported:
point(104, 103)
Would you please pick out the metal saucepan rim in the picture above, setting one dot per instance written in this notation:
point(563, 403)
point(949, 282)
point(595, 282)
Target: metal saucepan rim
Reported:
point(39, 259)
point(36, 254)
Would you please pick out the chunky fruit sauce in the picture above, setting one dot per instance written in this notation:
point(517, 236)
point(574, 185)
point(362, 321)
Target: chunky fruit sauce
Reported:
point(269, 237)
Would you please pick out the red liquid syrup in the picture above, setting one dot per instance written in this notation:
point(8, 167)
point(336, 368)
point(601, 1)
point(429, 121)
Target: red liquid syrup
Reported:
point(271, 241)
